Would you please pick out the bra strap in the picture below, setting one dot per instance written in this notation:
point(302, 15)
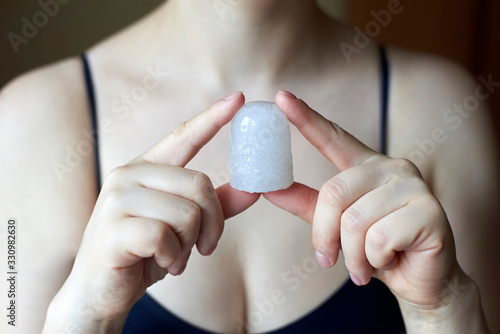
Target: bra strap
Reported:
point(93, 116)
point(385, 76)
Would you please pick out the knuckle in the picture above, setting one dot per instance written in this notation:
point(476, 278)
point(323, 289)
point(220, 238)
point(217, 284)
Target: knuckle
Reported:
point(114, 198)
point(405, 168)
point(170, 252)
point(408, 183)
point(203, 184)
point(353, 220)
point(334, 191)
point(433, 208)
point(180, 130)
point(324, 243)
point(118, 174)
point(185, 133)
point(377, 238)
point(337, 130)
point(191, 213)
point(202, 181)
point(158, 232)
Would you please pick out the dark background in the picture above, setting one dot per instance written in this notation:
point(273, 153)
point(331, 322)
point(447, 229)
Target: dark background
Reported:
point(467, 31)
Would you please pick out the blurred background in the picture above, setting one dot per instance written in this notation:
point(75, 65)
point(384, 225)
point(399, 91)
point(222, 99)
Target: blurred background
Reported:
point(466, 31)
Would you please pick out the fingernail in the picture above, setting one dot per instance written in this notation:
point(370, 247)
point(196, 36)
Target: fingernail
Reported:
point(287, 93)
point(355, 280)
point(322, 260)
point(230, 96)
point(212, 249)
point(182, 270)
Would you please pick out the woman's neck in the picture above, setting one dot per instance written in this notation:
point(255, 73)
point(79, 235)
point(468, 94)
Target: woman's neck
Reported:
point(229, 39)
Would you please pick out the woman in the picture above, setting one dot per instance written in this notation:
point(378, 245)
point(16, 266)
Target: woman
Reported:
point(95, 260)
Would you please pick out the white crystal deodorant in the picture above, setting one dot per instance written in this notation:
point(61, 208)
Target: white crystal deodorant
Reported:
point(261, 153)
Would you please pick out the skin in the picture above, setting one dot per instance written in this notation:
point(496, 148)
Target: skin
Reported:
point(152, 211)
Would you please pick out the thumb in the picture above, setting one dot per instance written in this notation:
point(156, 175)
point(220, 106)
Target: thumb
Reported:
point(298, 199)
point(336, 144)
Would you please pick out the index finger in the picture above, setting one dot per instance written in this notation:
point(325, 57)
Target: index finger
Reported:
point(180, 146)
point(336, 144)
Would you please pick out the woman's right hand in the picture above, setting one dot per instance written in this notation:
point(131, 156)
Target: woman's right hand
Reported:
point(149, 215)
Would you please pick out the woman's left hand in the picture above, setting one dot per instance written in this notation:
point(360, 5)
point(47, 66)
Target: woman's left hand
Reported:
point(379, 211)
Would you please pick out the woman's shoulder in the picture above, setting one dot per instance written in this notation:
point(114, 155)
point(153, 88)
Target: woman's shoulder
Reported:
point(56, 88)
point(419, 72)
point(435, 103)
point(424, 79)
point(44, 175)
point(43, 112)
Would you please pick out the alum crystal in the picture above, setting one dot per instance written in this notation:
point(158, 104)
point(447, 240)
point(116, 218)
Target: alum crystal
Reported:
point(261, 153)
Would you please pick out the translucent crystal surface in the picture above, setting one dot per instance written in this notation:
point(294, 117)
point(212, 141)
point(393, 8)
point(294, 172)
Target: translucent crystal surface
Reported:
point(261, 154)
